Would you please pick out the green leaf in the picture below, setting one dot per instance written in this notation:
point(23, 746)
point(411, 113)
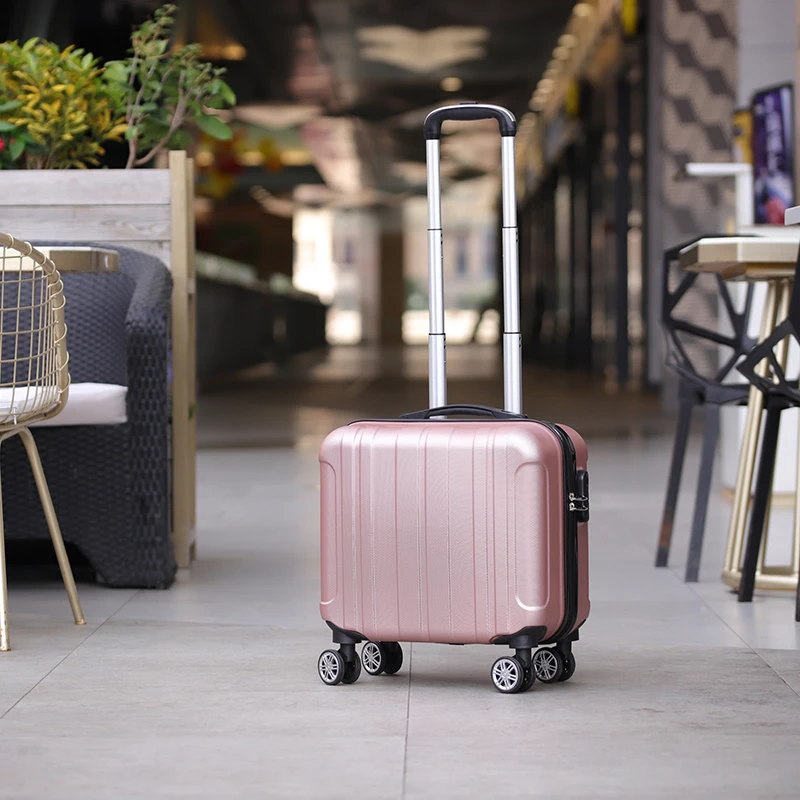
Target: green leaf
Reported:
point(116, 72)
point(227, 94)
point(131, 132)
point(87, 60)
point(30, 44)
point(5, 127)
point(9, 105)
point(213, 126)
point(16, 148)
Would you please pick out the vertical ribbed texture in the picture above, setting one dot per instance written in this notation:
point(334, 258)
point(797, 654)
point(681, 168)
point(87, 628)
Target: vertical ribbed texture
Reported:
point(445, 531)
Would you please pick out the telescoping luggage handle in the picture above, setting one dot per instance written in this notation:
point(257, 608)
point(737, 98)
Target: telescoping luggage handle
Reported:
point(512, 340)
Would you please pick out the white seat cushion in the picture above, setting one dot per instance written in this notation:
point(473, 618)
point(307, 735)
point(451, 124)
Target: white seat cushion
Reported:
point(87, 404)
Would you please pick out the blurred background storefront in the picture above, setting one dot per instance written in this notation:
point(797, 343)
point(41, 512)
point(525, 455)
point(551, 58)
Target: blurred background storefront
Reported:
point(321, 189)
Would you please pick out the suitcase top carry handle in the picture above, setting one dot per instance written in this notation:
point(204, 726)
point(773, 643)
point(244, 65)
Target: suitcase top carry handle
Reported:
point(469, 111)
point(466, 410)
point(512, 341)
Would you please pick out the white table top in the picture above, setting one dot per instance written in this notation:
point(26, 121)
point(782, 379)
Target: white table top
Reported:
point(742, 257)
point(792, 216)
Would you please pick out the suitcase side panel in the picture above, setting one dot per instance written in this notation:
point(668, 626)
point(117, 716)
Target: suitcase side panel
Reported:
point(447, 532)
point(581, 459)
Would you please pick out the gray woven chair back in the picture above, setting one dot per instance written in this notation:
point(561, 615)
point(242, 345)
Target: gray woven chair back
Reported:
point(97, 306)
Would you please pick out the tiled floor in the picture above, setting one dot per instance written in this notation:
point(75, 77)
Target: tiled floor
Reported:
point(209, 690)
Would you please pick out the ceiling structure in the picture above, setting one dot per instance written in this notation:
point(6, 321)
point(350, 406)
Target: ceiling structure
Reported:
point(357, 77)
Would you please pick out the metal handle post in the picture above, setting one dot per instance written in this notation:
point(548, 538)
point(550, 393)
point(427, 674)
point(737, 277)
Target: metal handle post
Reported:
point(512, 339)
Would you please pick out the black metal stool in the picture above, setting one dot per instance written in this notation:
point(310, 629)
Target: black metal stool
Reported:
point(779, 394)
point(697, 389)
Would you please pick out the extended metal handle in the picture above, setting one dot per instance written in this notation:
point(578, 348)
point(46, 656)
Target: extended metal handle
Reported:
point(512, 340)
point(470, 111)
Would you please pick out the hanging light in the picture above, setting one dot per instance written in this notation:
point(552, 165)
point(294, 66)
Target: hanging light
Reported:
point(451, 84)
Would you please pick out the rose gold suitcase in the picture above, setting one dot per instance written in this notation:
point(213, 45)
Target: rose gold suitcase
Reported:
point(469, 530)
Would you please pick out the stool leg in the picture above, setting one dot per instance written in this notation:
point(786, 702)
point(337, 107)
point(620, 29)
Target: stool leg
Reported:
point(797, 606)
point(710, 435)
point(5, 643)
point(763, 491)
point(52, 524)
point(674, 485)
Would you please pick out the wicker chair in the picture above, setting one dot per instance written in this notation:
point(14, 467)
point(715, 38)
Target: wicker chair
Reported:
point(107, 454)
point(34, 381)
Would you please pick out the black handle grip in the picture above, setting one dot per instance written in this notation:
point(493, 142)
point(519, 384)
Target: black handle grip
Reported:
point(467, 410)
point(469, 111)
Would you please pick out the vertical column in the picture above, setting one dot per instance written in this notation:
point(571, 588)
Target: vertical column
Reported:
point(182, 247)
point(391, 291)
point(622, 204)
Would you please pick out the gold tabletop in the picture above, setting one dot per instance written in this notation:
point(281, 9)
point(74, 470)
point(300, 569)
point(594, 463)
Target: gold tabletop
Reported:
point(69, 258)
point(742, 258)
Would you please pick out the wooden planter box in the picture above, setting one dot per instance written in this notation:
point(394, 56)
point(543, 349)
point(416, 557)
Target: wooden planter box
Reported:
point(150, 210)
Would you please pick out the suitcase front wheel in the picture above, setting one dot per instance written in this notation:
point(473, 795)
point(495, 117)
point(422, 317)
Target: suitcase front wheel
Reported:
point(378, 657)
point(548, 664)
point(509, 676)
point(334, 668)
point(553, 664)
point(373, 658)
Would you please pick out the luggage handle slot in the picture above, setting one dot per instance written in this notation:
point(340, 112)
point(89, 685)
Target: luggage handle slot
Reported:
point(512, 338)
point(466, 410)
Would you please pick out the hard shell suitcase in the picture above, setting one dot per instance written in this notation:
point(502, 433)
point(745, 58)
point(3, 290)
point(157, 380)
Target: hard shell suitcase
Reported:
point(454, 530)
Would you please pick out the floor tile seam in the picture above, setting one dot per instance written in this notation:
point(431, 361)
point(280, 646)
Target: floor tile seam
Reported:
point(408, 721)
point(746, 644)
point(62, 660)
point(711, 608)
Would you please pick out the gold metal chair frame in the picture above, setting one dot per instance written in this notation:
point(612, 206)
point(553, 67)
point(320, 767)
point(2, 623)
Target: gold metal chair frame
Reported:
point(34, 383)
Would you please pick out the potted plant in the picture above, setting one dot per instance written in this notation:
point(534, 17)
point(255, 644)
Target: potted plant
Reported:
point(58, 109)
point(60, 106)
point(161, 91)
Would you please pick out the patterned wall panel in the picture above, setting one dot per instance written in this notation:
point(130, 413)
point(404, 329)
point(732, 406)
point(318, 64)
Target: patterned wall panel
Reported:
point(699, 94)
point(695, 88)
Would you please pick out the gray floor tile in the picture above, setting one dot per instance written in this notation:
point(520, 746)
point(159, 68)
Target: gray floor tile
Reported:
point(198, 766)
point(209, 689)
point(633, 722)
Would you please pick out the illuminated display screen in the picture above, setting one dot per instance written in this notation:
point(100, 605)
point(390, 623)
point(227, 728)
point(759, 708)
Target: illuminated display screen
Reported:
point(773, 154)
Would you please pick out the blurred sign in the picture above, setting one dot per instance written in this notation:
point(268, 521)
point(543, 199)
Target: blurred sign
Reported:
point(572, 99)
point(743, 136)
point(773, 153)
point(629, 15)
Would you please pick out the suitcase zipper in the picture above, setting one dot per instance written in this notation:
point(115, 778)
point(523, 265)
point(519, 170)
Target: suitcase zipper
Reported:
point(574, 504)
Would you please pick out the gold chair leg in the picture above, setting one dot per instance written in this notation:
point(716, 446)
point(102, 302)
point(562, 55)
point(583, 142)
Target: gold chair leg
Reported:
point(5, 642)
point(52, 524)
